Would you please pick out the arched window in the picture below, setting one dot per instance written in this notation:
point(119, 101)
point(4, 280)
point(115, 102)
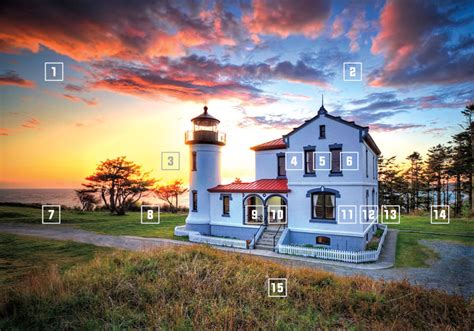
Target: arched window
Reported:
point(322, 240)
point(323, 205)
point(254, 210)
point(276, 209)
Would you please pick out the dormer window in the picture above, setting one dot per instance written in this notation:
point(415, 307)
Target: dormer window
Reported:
point(322, 132)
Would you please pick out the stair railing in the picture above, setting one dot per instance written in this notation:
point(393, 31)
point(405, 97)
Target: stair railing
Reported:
point(274, 237)
point(255, 235)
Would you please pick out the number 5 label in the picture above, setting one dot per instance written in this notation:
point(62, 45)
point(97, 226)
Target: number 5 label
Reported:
point(323, 161)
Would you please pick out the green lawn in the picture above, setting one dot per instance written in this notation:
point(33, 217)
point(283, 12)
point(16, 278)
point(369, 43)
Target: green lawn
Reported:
point(99, 221)
point(21, 256)
point(410, 253)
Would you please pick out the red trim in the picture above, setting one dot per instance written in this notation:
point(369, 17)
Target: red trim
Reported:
point(269, 145)
point(259, 186)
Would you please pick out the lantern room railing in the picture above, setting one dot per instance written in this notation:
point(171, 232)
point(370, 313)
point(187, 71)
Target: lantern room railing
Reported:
point(205, 137)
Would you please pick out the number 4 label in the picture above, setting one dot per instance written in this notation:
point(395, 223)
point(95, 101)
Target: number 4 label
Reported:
point(439, 214)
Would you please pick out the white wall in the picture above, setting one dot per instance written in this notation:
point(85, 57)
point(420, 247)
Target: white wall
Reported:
point(266, 165)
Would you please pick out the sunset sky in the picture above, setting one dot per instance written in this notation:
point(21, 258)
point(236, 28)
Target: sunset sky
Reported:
point(136, 72)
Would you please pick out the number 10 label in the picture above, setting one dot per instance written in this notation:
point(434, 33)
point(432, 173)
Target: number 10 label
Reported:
point(150, 214)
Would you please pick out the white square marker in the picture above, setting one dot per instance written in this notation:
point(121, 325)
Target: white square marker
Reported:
point(53, 214)
point(150, 214)
point(54, 71)
point(277, 287)
point(349, 161)
point(347, 214)
point(256, 216)
point(276, 214)
point(322, 161)
point(369, 214)
point(352, 71)
point(293, 161)
point(390, 214)
point(170, 160)
point(439, 214)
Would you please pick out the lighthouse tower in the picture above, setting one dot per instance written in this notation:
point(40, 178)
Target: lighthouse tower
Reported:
point(205, 142)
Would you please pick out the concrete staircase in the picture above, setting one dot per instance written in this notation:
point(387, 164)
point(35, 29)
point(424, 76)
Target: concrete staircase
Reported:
point(266, 239)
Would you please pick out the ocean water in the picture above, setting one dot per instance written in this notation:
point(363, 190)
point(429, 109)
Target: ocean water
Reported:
point(65, 197)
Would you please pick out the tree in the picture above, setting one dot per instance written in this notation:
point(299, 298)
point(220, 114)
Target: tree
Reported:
point(391, 184)
point(87, 198)
point(120, 184)
point(169, 192)
point(414, 175)
point(436, 165)
point(468, 112)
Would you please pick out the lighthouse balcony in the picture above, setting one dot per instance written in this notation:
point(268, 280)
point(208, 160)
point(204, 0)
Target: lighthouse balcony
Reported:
point(205, 137)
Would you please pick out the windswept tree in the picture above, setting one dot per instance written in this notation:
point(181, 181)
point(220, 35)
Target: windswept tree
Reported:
point(391, 184)
point(120, 183)
point(414, 174)
point(170, 192)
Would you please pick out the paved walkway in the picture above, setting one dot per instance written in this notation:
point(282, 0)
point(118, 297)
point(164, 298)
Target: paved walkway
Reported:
point(453, 272)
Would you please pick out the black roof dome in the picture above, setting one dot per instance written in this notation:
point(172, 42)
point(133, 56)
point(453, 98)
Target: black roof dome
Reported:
point(205, 118)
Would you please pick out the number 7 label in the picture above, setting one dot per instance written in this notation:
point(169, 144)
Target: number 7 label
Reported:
point(51, 214)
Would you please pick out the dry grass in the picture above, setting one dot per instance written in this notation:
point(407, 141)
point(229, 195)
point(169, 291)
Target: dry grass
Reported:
point(201, 288)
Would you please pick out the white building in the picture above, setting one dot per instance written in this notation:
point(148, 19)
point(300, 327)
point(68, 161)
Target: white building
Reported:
point(316, 185)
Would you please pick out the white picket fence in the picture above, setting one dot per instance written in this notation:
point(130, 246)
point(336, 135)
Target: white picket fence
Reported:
point(235, 243)
point(333, 254)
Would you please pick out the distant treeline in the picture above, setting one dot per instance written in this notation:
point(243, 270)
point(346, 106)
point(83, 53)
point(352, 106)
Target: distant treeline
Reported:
point(442, 177)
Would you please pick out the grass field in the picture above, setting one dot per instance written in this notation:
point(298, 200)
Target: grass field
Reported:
point(202, 288)
point(22, 256)
point(99, 221)
point(410, 253)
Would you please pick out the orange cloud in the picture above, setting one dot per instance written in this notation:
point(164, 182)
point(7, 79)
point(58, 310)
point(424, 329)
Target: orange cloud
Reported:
point(31, 123)
point(4, 132)
point(287, 17)
point(89, 102)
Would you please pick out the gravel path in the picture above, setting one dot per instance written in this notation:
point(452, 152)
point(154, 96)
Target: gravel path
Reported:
point(452, 272)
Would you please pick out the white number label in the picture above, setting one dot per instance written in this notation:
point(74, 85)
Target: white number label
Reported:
point(349, 211)
point(149, 214)
point(51, 213)
point(294, 161)
point(370, 214)
point(277, 214)
point(254, 214)
point(53, 69)
point(440, 213)
point(322, 161)
point(277, 288)
point(349, 161)
point(390, 214)
point(352, 71)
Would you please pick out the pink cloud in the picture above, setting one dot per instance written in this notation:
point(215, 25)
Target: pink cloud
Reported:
point(31, 123)
point(4, 132)
point(287, 17)
point(89, 102)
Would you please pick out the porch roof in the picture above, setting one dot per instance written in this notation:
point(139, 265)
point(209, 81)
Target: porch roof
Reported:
point(259, 186)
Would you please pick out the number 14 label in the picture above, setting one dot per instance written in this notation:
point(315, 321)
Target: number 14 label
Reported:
point(439, 214)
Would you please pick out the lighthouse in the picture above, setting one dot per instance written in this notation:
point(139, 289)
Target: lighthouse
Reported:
point(205, 142)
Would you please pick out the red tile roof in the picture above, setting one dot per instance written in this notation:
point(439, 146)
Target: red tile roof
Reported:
point(261, 186)
point(274, 144)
